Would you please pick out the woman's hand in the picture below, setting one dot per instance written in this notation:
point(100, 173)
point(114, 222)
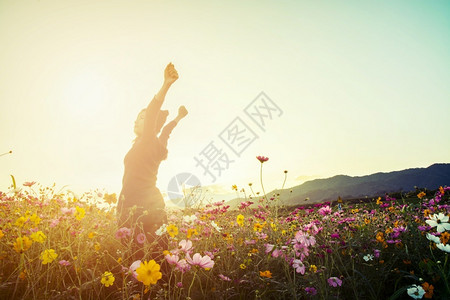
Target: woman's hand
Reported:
point(170, 74)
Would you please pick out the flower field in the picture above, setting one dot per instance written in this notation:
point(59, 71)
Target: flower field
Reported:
point(54, 245)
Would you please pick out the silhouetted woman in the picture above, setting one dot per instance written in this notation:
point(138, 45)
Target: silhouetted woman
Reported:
point(142, 162)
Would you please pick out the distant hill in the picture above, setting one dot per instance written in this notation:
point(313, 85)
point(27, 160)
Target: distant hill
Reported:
point(343, 186)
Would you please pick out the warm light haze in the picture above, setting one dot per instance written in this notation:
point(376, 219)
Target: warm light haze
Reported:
point(361, 86)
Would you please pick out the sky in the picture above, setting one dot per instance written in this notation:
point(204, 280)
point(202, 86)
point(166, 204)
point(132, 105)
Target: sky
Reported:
point(351, 87)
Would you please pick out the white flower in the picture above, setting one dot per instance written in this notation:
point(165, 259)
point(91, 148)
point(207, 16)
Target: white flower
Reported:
point(189, 219)
point(433, 238)
point(443, 247)
point(416, 291)
point(440, 221)
point(161, 230)
point(368, 257)
point(213, 224)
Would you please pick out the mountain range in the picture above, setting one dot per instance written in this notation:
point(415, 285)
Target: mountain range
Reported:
point(348, 187)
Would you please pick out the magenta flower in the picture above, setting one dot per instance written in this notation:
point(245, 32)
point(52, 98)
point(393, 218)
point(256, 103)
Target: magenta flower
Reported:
point(29, 183)
point(204, 262)
point(334, 281)
point(326, 210)
point(310, 290)
point(262, 159)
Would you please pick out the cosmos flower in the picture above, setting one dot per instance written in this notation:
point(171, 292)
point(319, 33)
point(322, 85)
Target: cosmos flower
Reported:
point(172, 230)
point(140, 238)
point(107, 279)
point(299, 266)
point(334, 281)
point(440, 221)
point(48, 256)
point(262, 159)
point(161, 230)
point(368, 257)
point(204, 262)
point(443, 247)
point(148, 272)
point(415, 291)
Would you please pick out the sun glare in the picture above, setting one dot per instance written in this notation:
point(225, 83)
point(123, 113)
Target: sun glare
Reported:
point(85, 94)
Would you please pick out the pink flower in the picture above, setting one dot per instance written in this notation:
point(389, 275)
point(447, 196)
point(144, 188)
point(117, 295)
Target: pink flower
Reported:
point(64, 263)
point(172, 259)
point(224, 278)
point(133, 268)
point(29, 183)
point(123, 232)
point(204, 262)
point(262, 158)
point(269, 247)
point(334, 281)
point(277, 252)
point(299, 266)
point(140, 238)
point(326, 210)
point(67, 211)
point(185, 246)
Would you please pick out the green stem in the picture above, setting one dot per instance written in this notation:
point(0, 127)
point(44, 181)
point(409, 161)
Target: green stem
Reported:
point(262, 185)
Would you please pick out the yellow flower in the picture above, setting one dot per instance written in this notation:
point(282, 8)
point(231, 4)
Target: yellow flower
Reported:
point(1, 234)
point(38, 237)
point(47, 256)
point(313, 268)
point(80, 213)
point(110, 198)
point(107, 279)
point(274, 226)
point(92, 234)
point(379, 201)
point(23, 275)
point(97, 247)
point(191, 231)
point(267, 274)
point(243, 266)
point(258, 227)
point(172, 230)
point(148, 272)
point(34, 218)
point(240, 220)
point(22, 244)
point(421, 195)
point(20, 221)
point(234, 187)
